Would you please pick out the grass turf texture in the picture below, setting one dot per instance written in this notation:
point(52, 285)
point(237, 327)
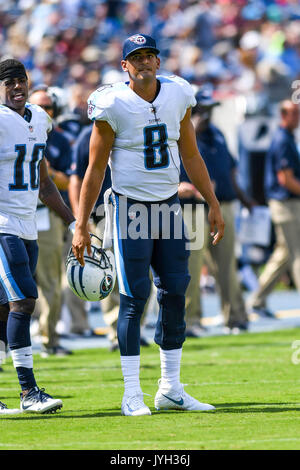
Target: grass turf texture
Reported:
point(249, 378)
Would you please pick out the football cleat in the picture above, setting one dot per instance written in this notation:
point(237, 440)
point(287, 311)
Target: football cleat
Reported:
point(178, 399)
point(37, 401)
point(133, 405)
point(8, 411)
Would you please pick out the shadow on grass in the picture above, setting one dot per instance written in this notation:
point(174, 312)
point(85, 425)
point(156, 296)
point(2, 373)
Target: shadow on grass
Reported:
point(255, 407)
point(97, 414)
point(239, 408)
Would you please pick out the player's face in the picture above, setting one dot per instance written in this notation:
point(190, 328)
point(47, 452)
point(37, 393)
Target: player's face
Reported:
point(42, 99)
point(142, 64)
point(292, 117)
point(14, 93)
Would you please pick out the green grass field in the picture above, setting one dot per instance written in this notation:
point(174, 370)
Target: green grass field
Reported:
point(249, 378)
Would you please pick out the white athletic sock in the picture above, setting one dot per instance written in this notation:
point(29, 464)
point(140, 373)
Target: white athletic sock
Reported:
point(131, 373)
point(2, 352)
point(170, 368)
point(22, 357)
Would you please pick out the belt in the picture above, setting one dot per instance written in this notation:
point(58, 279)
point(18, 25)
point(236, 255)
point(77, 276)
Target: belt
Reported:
point(134, 201)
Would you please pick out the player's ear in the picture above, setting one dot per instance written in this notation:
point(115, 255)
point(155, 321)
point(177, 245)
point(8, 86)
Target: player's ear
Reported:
point(158, 63)
point(124, 65)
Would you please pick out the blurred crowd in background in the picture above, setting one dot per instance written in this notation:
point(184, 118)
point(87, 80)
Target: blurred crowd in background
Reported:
point(247, 51)
point(241, 47)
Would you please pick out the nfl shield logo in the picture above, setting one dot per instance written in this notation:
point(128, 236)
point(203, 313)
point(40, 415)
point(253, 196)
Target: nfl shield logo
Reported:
point(91, 108)
point(31, 128)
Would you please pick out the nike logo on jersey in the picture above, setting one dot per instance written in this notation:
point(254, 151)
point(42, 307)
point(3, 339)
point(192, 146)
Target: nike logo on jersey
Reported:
point(177, 402)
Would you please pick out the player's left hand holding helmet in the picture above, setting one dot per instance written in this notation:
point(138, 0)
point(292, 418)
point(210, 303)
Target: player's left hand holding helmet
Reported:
point(95, 280)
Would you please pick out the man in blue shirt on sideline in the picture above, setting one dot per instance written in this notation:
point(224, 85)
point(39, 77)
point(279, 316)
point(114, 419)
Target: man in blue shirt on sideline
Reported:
point(221, 259)
point(282, 189)
point(51, 235)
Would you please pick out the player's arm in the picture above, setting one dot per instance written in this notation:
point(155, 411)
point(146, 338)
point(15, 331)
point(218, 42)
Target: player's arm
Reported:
point(51, 197)
point(60, 178)
point(196, 169)
point(288, 180)
point(74, 192)
point(101, 142)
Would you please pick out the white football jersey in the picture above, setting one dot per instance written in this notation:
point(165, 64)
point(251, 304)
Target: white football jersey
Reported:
point(22, 147)
point(144, 162)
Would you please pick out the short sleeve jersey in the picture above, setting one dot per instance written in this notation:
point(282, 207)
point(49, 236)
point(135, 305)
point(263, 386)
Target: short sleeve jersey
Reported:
point(144, 162)
point(22, 147)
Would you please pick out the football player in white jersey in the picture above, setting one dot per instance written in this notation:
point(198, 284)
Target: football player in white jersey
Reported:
point(23, 179)
point(140, 127)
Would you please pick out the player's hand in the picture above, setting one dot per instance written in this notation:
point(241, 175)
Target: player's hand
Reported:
point(250, 204)
point(81, 241)
point(216, 223)
point(186, 190)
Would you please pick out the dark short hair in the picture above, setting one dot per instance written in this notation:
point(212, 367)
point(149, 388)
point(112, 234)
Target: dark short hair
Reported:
point(11, 68)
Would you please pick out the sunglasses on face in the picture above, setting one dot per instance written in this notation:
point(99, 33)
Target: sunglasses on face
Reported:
point(46, 107)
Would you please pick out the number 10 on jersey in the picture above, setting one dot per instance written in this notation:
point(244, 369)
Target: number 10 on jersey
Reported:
point(37, 155)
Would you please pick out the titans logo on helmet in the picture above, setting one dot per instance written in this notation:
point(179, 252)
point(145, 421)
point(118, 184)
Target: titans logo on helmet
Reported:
point(138, 39)
point(106, 285)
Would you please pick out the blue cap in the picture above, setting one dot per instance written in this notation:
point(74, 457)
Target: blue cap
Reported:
point(138, 41)
point(204, 97)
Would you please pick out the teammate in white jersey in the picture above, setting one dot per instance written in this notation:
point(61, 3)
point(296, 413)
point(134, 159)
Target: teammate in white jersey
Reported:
point(140, 127)
point(23, 179)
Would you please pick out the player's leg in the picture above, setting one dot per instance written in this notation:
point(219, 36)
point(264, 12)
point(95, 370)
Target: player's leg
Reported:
point(4, 309)
point(171, 277)
point(18, 261)
point(132, 262)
